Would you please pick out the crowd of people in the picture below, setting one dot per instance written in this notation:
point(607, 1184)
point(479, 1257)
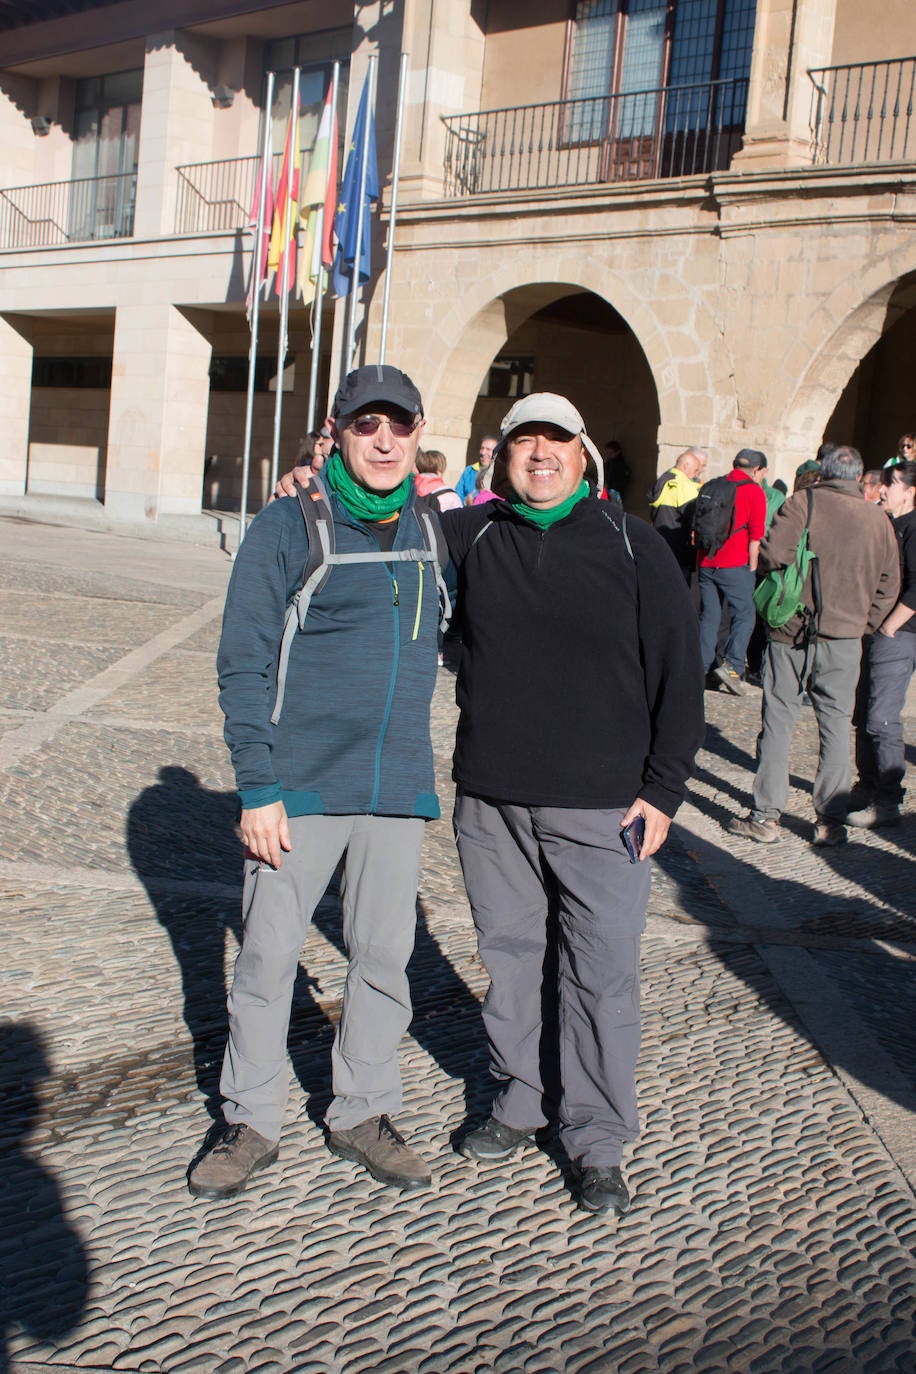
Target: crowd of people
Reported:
point(563, 601)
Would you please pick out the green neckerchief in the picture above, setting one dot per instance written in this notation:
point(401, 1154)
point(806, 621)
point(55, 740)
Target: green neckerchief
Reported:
point(359, 501)
point(544, 518)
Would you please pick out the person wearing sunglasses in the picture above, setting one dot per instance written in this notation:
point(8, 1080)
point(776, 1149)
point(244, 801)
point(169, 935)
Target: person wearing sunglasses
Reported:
point(332, 761)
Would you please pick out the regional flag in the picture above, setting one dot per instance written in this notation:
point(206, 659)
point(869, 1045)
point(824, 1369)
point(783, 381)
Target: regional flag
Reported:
point(349, 210)
point(286, 204)
point(320, 190)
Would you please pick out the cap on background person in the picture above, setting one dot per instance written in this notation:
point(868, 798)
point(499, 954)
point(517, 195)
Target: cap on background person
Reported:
point(545, 408)
point(375, 383)
point(749, 459)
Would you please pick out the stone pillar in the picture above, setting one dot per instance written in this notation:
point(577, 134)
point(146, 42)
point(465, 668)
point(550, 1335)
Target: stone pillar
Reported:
point(160, 392)
point(788, 39)
point(176, 125)
point(444, 77)
point(15, 403)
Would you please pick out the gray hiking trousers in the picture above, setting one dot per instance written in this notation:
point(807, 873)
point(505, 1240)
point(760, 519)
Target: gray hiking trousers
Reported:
point(831, 685)
point(379, 897)
point(559, 911)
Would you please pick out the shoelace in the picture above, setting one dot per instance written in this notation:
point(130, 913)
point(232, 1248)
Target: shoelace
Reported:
point(227, 1139)
point(385, 1128)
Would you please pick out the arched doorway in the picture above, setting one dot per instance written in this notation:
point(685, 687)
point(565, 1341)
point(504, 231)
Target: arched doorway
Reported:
point(878, 403)
point(574, 342)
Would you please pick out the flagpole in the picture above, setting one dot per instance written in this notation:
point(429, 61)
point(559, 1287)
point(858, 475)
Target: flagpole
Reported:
point(290, 220)
point(392, 218)
point(354, 286)
point(256, 257)
point(322, 276)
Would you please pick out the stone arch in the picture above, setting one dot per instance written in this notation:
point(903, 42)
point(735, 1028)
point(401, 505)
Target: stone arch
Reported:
point(480, 320)
point(845, 327)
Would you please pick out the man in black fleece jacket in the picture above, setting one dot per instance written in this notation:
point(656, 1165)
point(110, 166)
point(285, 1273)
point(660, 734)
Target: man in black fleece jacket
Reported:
point(580, 692)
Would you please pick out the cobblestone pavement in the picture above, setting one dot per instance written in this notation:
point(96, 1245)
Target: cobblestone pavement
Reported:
point(773, 1223)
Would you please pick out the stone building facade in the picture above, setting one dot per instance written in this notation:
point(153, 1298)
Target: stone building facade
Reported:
point(726, 259)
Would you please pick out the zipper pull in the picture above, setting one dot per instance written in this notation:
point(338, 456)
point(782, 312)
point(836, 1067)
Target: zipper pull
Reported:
point(394, 582)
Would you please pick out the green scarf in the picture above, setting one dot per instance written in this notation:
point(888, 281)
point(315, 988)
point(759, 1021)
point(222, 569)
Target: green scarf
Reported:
point(544, 518)
point(359, 501)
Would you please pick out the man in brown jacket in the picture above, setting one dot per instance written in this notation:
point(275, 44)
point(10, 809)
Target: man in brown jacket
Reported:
point(859, 576)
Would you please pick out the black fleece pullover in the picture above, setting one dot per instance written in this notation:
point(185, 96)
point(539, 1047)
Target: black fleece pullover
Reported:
point(580, 683)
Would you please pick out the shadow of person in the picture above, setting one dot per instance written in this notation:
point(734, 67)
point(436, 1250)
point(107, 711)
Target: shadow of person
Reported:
point(44, 1274)
point(183, 844)
point(845, 985)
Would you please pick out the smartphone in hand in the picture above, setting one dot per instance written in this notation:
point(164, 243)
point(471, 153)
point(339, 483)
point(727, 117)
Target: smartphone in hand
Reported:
point(633, 836)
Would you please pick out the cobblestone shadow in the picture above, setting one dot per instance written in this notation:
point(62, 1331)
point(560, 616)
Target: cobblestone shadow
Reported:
point(39, 1249)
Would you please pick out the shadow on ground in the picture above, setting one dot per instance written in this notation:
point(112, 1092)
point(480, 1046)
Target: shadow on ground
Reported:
point(40, 1251)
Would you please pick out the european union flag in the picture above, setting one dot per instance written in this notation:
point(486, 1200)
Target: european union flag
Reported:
point(346, 220)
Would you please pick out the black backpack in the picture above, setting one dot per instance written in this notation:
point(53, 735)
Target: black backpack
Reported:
point(714, 514)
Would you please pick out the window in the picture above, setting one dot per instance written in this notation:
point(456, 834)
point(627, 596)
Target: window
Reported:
point(78, 372)
point(624, 52)
point(231, 373)
point(315, 55)
point(510, 378)
point(105, 139)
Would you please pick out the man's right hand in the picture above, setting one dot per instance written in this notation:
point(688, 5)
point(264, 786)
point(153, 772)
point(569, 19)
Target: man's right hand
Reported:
point(265, 833)
point(286, 485)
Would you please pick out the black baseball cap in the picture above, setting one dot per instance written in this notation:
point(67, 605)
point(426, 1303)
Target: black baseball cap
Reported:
point(367, 386)
point(750, 459)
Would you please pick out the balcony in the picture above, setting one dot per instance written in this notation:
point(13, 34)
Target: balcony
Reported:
point(863, 112)
point(68, 211)
point(214, 196)
point(671, 131)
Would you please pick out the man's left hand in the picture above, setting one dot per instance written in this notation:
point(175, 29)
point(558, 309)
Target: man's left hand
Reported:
point(286, 485)
point(657, 826)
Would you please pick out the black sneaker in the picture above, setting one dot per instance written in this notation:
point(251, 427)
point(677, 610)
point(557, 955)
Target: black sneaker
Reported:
point(230, 1155)
point(603, 1190)
point(495, 1140)
point(381, 1149)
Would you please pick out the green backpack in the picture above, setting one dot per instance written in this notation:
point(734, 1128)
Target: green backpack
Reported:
point(780, 594)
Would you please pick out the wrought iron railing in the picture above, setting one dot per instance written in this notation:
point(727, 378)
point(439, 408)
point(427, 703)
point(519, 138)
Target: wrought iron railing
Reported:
point(864, 112)
point(68, 211)
point(217, 195)
point(669, 131)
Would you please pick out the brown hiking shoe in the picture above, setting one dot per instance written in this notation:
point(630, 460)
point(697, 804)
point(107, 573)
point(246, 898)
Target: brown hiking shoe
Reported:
point(230, 1155)
point(764, 832)
point(383, 1151)
point(827, 834)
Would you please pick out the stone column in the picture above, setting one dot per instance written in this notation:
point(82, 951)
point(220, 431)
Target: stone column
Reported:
point(176, 125)
point(160, 392)
point(15, 403)
point(444, 77)
point(788, 39)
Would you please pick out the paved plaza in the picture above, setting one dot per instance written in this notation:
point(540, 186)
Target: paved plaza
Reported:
point(773, 1226)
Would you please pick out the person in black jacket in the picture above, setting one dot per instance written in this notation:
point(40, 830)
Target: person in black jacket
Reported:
point(580, 691)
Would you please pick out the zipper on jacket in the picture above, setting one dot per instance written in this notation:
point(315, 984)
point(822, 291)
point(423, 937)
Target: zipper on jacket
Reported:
point(394, 583)
point(542, 535)
point(416, 623)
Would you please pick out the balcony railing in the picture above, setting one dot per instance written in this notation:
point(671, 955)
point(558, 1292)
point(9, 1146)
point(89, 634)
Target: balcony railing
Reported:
point(670, 131)
point(217, 195)
point(68, 211)
point(864, 112)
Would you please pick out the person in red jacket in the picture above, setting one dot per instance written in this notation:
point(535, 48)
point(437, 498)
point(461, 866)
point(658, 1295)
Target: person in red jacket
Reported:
point(728, 574)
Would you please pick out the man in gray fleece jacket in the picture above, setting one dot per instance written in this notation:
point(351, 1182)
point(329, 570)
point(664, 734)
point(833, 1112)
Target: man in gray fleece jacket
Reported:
point(858, 570)
point(353, 776)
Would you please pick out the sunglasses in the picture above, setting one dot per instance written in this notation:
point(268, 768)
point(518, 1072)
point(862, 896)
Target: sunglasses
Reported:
point(367, 425)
